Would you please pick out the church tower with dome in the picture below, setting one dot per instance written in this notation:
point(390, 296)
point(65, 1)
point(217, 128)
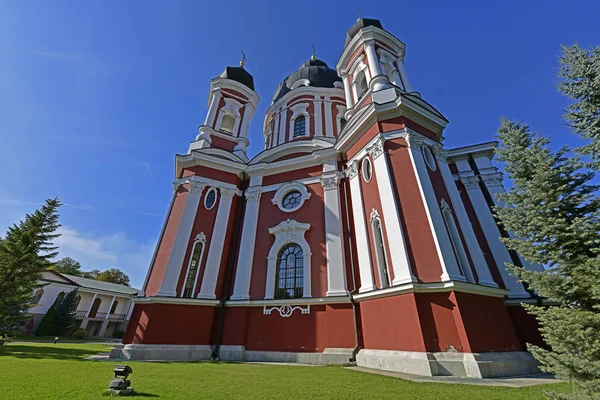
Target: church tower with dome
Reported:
point(353, 236)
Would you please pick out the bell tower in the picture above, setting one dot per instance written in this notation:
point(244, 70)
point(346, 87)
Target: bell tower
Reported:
point(231, 105)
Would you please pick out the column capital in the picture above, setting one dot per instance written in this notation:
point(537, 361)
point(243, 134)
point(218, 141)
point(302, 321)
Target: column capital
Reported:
point(330, 182)
point(493, 179)
point(227, 194)
point(414, 139)
point(197, 187)
point(377, 148)
point(470, 182)
point(352, 170)
point(440, 153)
point(176, 185)
point(253, 195)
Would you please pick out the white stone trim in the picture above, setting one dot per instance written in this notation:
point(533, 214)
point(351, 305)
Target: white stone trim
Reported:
point(200, 238)
point(360, 230)
point(301, 301)
point(215, 99)
point(287, 188)
point(300, 82)
point(341, 110)
point(382, 259)
point(168, 285)
point(286, 232)
point(366, 169)
point(217, 241)
point(232, 108)
point(286, 311)
point(175, 300)
point(281, 139)
point(212, 189)
point(299, 109)
point(318, 113)
point(328, 117)
point(455, 239)
point(243, 274)
point(334, 243)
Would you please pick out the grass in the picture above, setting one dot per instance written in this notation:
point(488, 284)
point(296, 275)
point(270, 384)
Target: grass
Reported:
point(61, 339)
point(48, 371)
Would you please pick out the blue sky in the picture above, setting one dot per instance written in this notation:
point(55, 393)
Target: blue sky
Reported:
point(97, 97)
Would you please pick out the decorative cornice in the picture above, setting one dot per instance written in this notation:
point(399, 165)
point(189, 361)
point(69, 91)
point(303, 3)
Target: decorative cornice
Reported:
point(330, 182)
point(289, 225)
point(377, 149)
point(494, 179)
point(440, 153)
point(470, 182)
point(374, 214)
point(414, 139)
point(352, 170)
point(253, 195)
point(197, 187)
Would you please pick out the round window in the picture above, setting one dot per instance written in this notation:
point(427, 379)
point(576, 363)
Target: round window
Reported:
point(367, 169)
point(291, 200)
point(210, 199)
point(429, 158)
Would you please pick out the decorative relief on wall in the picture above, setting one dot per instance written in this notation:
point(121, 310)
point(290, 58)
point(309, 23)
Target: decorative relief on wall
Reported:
point(253, 195)
point(494, 179)
point(352, 170)
point(377, 149)
point(330, 182)
point(286, 311)
point(227, 194)
point(197, 187)
point(470, 182)
point(374, 215)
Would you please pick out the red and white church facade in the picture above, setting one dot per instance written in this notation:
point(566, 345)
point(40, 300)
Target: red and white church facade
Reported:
point(353, 236)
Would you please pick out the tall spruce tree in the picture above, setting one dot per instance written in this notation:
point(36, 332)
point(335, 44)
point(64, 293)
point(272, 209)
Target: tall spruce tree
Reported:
point(554, 211)
point(63, 319)
point(25, 252)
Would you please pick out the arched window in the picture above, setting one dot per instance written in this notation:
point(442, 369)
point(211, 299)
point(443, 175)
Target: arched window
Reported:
point(380, 252)
point(95, 308)
point(289, 281)
point(459, 250)
point(194, 267)
point(342, 123)
point(114, 307)
point(227, 123)
point(37, 296)
point(59, 297)
point(361, 84)
point(77, 301)
point(300, 126)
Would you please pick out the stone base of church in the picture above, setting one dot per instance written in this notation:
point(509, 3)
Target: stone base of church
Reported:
point(469, 365)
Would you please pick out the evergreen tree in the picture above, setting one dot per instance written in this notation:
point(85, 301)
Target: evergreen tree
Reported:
point(63, 319)
point(25, 252)
point(43, 328)
point(554, 211)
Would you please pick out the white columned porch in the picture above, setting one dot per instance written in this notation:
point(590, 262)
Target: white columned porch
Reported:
point(336, 269)
point(104, 325)
point(243, 274)
point(441, 239)
point(483, 272)
point(360, 230)
point(87, 315)
point(393, 228)
point(168, 286)
point(492, 235)
point(217, 241)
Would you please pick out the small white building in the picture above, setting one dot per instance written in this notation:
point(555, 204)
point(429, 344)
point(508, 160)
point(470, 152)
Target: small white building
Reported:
point(103, 308)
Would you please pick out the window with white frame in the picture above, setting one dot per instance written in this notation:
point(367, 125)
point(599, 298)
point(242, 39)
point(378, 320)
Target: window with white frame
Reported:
point(300, 126)
point(380, 251)
point(289, 281)
point(457, 245)
point(194, 266)
point(210, 198)
point(227, 123)
point(360, 80)
point(290, 196)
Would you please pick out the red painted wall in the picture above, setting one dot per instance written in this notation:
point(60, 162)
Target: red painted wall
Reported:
point(526, 326)
point(211, 173)
point(441, 327)
point(283, 177)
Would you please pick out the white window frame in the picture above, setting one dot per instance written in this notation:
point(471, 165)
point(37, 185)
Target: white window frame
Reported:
point(287, 232)
point(212, 189)
point(459, 250)
point(200, 238)
point(298, 110)
point(429, 157)
point(381, 258)
point(363, 164)
point(285, 189)
point(232, 107)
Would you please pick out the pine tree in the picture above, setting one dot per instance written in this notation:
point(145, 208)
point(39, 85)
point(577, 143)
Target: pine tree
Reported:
point(63, 319)
point(25, 252)
point(43, 328)
point(554, 211)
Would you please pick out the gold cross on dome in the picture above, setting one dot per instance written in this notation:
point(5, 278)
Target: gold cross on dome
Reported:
point(314, 55)
point(244, 59)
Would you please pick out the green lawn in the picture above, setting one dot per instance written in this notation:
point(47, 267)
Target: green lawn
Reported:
point(48, 371)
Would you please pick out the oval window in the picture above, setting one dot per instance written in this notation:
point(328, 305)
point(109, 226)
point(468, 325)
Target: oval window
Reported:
point(429, 158)
point(210, 199)
point(291, 200)
point(367, 170)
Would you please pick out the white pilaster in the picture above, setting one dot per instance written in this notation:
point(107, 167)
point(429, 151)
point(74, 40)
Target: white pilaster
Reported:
point(348, 91)
point(168, 286)
point(378, 80)
point(281, 133)
point(246, 120)
point(407, 86)
point(336, 270)
point(318, 106)
point(443, 244)
point(492, 235)
point(275, 137)
point(110, 307)
point(328, 118)
point(217, 241)
point(213, 108)
point(483, 272)
point(360, 230)
point(91, 305)
point(398, 251)
point(243, 275)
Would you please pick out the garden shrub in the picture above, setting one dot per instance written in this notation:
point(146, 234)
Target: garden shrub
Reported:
point(80, 333)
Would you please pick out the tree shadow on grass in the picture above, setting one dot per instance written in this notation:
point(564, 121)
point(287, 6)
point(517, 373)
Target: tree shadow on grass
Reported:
point(46, 352)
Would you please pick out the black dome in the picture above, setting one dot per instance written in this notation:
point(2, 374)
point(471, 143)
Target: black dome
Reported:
point(316, 71)
point(239, 74)
point(361, 23)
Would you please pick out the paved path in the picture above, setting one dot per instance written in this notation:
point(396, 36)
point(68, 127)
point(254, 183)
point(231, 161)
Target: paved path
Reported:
point(520, 381)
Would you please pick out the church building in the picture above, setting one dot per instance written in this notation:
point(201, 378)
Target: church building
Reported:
point(353, 236)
